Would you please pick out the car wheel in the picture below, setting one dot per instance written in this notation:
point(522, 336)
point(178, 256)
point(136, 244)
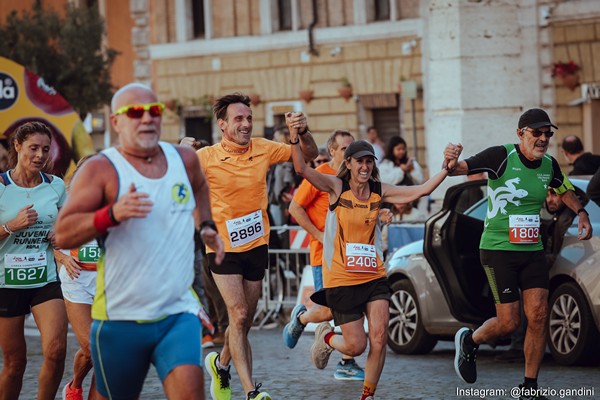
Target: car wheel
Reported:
point(572, 335)
point(406, 334)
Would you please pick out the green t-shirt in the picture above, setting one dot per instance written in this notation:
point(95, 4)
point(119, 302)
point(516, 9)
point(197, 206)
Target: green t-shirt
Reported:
point(514, 203)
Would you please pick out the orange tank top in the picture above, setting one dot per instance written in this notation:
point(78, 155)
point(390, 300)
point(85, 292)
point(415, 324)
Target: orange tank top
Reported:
point(352, 242)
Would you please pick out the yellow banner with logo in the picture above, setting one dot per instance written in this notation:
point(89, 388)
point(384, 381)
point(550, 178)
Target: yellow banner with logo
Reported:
point(25, 97)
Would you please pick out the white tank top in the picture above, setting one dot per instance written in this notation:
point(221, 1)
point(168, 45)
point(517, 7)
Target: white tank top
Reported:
point(148, 265)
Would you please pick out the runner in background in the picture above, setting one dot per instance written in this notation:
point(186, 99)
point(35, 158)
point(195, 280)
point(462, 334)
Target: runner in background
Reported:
point(29, 202)
point(78, 284)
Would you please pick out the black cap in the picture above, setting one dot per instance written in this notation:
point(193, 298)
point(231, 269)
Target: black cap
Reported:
point(535, 118)
point(358, 149)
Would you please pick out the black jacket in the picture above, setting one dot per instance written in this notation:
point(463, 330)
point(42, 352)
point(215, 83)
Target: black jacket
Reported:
point(586, 164)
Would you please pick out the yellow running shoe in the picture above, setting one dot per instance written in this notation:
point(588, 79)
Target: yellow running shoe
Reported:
point(220, 388)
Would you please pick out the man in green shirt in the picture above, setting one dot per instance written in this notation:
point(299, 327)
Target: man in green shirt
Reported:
point(511, 249)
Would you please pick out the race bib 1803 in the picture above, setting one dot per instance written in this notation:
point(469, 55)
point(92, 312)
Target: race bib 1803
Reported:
point(524, 229)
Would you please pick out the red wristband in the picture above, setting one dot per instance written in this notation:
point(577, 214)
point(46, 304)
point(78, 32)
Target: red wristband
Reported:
point(103, 220)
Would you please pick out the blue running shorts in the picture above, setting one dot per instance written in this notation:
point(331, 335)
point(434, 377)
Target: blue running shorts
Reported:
point(123, 350)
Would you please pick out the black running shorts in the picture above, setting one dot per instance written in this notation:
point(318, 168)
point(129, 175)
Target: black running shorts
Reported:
point(509, 271)
point(17, 302)
point(250, 264)
point(349, 303)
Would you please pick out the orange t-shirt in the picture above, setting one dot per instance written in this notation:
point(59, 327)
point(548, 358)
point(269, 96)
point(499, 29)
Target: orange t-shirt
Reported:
point(316, 204)
point(238, 188)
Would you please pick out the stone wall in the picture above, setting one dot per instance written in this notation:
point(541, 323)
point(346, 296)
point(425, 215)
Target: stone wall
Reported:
point(372, 67)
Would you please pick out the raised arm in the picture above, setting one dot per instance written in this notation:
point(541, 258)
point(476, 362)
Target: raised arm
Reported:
point(297, 122)
point(406, 194)
point(323, 182)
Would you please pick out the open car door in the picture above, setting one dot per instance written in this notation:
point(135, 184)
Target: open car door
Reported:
point(451, 247)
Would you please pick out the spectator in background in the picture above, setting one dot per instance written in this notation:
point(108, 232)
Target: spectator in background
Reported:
point(376, 142)
point(322, 158)
point(397, 168)
point(593, 189)
point(583, 162)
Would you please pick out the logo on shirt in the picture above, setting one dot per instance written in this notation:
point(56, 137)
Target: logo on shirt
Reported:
point(503, 195)
point(180, 193)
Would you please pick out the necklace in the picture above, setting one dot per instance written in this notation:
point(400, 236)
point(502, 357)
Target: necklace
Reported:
point(147, 158)
point(21, 184)
point(233, 151)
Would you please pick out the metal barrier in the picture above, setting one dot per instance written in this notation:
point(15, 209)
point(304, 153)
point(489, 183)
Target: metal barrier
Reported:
point(282, 279)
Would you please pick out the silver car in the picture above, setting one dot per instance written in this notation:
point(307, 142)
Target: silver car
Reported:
point(439, 285)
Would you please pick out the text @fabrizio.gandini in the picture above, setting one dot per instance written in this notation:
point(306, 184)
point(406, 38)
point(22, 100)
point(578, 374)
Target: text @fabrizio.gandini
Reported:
point(516, 392)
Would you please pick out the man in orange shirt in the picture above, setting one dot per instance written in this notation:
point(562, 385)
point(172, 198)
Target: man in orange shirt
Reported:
point(236, 170)
point(309, 208)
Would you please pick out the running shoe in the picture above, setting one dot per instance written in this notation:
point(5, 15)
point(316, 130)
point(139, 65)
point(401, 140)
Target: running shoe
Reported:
point(464, 359)
point(70, 393)
point(320, 351)
point(257, 394)
point(294, 328)
point(207, 341)
point(348, 370)
point(220, 388)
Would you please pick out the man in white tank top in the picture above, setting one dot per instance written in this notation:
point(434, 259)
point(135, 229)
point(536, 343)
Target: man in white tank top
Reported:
point(140, 199)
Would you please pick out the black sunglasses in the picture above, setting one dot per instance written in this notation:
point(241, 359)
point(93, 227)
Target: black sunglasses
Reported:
point(537, 133)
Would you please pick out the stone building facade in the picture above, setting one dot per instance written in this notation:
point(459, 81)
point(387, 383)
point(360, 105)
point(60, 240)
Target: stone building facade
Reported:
point(476, 65)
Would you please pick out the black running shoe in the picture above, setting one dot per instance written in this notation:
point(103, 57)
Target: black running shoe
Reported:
point(464, 359)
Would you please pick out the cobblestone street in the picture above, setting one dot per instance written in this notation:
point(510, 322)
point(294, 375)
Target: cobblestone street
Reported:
point(289, 374)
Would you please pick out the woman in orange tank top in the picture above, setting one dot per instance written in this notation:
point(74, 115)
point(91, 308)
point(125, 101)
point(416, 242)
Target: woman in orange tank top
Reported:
point(355, 284)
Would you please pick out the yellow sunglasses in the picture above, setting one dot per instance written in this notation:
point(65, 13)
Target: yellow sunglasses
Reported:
point(136, 111)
